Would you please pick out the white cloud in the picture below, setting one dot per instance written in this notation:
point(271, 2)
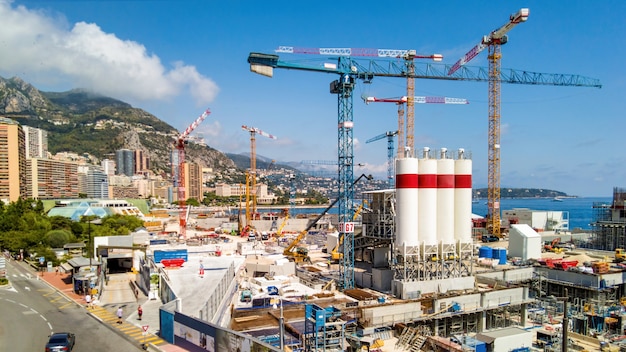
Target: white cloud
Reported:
point(40, 45)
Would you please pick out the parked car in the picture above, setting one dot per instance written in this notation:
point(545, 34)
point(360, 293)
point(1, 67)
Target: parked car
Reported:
point(490, 238)
point(61, 341)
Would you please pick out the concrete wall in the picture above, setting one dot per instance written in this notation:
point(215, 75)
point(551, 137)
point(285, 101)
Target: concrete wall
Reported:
point(381, 279)
point(292, 225)
point(511, 275)
point(467, 303)
point(503, 297)
point(412, 289)
point(380, 257)
point(582, 279)
point(284, 269)
point(390, 314)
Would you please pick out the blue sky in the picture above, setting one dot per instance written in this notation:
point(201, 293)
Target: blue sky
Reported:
point(174, 59)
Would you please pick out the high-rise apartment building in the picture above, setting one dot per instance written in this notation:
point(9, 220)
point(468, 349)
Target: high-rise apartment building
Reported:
point(108, 166)
point(36, 142)
point(12, 160)
point(142, 162)
point(52, 179)
point(125, 162)
point(93, 182)
point(193, 181)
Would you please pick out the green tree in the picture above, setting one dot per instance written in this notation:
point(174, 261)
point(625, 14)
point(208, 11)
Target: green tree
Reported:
point(15, 240)
point(47, 253)
point(57, 238)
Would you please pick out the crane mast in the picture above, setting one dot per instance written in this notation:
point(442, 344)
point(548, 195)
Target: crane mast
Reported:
point(179, 170)
point(389, 135)
point(251, 193)
point(493, 41)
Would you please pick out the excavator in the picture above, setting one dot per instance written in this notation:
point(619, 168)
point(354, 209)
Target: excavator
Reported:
point(335, 255)
point(552, 247)
point(301, 254)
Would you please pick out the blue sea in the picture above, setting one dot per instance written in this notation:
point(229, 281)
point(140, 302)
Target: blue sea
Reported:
point(580, 209)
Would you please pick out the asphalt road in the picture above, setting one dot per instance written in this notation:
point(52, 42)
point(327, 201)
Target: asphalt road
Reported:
point(30, 311)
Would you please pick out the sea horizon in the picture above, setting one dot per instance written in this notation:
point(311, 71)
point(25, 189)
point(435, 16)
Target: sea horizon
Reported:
point(579, 209)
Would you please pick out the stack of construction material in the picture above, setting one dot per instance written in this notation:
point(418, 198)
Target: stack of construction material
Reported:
point(600, 267)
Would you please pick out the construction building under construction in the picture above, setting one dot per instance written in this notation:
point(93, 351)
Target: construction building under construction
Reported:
point(414, 270)
point(609, 222)
point(422, 283)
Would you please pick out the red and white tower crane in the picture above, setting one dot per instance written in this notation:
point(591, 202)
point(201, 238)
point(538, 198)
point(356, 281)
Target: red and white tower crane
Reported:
point(493, 41)
point(251, 178)
point(178, 169)
point(417, 100)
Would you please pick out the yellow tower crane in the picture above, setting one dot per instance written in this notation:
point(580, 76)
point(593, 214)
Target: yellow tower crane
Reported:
point(251, 177)
point(493, 41)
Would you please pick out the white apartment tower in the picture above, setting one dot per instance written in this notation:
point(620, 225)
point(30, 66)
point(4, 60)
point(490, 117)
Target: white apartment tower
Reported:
point(36, 142)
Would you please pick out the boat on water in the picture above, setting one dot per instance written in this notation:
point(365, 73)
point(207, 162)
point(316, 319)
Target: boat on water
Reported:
point(557, 199)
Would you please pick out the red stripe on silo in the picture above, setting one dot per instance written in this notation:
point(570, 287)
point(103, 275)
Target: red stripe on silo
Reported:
point(445, 181)
point(427, 181)
point(463, 181)
point(406, 181)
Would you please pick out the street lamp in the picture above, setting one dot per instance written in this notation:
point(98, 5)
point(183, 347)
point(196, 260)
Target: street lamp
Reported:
point(281, 322)
point(89, 249)
point(564, 341)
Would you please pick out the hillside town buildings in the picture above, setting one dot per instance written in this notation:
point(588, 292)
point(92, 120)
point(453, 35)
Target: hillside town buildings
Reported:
point(28, 170)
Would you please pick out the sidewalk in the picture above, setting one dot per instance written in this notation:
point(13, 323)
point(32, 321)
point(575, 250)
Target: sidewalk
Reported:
point(105, 311)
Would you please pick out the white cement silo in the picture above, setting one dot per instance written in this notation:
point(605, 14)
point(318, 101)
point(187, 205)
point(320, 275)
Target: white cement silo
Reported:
point(445, 198)
point(406, 202)
point(463, 198)
point(427, 199)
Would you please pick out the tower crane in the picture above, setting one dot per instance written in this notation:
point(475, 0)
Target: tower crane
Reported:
point(178, 169)
point(493, 41)
point(348, 70)
point(389, 135)
point(417, 100)
point(408, 66)
point(251, 177)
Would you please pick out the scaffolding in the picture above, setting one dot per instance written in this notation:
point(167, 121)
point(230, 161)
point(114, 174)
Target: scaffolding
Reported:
point(324, 330)
point(609, 222)
point(379, 219)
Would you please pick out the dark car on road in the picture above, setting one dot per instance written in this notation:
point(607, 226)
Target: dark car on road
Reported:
point(490, 238)
point(61, 341)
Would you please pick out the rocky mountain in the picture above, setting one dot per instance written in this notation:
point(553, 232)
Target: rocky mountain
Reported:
point(84, 122)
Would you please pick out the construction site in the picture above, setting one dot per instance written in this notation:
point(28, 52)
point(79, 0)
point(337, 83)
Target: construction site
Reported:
point(400, 268)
